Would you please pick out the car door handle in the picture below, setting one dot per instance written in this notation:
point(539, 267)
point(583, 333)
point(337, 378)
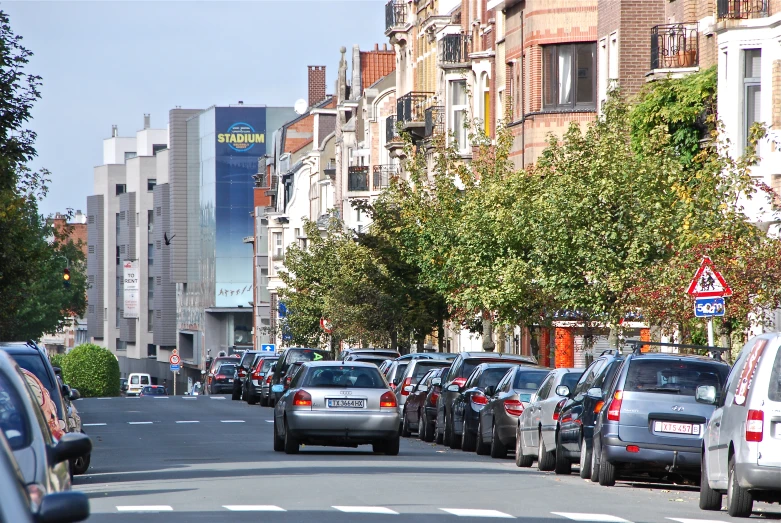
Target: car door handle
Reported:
point(717, 424)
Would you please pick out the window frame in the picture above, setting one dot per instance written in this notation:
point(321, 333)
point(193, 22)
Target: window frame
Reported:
point(574, 105)
point(750, 83)
point(461, 134)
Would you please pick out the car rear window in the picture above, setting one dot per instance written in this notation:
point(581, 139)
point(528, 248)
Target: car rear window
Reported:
point(673, 377)
point(423, 367)
point(376, 361)
point(13, 417)
point(267, 365)
point(470, 364)
point(401, 368)
point(774, 389)
point(247, 358)
point(571, 379)
point(227, 368)
point(492, 376)
point(529, 379)
point(344, 377)
point(304, 355)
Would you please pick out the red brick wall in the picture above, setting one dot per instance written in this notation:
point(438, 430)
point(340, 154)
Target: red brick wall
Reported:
point(316, 84)
point(299, 134)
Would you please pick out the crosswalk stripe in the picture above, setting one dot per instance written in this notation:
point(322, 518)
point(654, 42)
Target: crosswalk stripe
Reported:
point(686, 520)
point(189, 397)
point(93, 424)
point(365, 510)
point(103, 398)
point(160, 397)
point(144, 508)
point(254, 508)
point(269, 421)
point(584, 516)
point(476, 513)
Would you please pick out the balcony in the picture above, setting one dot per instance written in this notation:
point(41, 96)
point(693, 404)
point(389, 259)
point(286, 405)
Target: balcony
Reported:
point(742, 9)
point(382, 175)
point(455, 50)
point(674, 46)
point(358, 178)
point(411, 108)
point(395, 17)
point(435, 121)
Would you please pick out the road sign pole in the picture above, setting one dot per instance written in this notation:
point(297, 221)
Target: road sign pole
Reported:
point(174, 383)
point(710, 332)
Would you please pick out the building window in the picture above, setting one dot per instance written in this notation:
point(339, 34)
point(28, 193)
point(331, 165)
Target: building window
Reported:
point(91, 249)
point(568, 79)
point(150, 283)
point(458, 111)
point(151, 254)
point(752, 89)
point(130, 154)
point(120, 188)
point(151, 350)
point(150, 184)
point(119, 315)
point(150, 221)
point(157, 147)
point(117, 254)
point(485, 103)
point(150, 317)
point(277, 246)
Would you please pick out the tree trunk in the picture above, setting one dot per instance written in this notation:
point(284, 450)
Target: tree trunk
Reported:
point(488, 342)
point(420, 343)
point(441, 334)
point(394, 337)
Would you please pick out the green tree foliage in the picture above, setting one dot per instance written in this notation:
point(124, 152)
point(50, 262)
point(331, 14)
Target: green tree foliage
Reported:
point(93, 370)
point(32, 255)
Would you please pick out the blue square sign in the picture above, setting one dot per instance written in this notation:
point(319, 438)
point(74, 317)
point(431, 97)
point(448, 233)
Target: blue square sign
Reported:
point(268, 347)
point(175, 368)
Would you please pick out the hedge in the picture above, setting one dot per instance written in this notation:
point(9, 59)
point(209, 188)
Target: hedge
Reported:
point(91, 369)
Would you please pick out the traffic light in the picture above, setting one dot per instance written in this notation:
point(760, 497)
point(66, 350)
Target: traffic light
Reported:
point(66, 278)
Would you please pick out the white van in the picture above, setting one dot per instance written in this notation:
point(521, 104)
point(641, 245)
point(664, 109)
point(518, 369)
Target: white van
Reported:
point(742, 442)
point(137, 381)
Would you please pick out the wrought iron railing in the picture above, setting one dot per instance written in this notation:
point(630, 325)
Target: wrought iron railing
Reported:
point(391, 133)
point(382, 175)
point(455, 49)
point(742, 9)
point(674, 46)
point(395, 14)
point(435, 120)
point(412, 106)
point(358, 178)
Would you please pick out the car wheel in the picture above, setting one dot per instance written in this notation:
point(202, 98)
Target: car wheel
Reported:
point(405, 432)
point(739, 500)
point(520, 459)
point(252, 399)
point(594, 465)
point(236, 394)
point(468, 440)
point(607, 471)
point(563, 464)
point(291, 443)
point(498, 449)
point(481, 447)
point(439, 438)
point(279, 443)
point(585, 460)
point(546, 461)
point(455, 440)
point(709, 498)
point(391, 447)
point(378, 447)
point(262, 401)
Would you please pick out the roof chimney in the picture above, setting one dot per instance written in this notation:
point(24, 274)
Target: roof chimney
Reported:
point(316, 84)
point(114, 132)
point(355, 86)
point(146, 121)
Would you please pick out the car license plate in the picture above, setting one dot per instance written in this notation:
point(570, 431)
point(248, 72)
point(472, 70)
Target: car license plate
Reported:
point(230, 380)
point(346, 403)
point(676, 428)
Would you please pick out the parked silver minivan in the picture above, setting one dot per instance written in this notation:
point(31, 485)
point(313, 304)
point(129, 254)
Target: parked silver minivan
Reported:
point(742, 441)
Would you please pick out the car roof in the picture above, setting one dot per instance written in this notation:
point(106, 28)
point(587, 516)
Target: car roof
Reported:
point(500, 355)
point(334, 363)
point(670, 356)
point(17, 347)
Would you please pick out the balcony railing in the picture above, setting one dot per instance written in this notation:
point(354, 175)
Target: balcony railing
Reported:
point(455, 49)
point(395, 14)
point(358, 178)
point(391, 133)
point(435, 120)
point(742, 9)
point(382, 175)
point(412, 107)
point(674, 46)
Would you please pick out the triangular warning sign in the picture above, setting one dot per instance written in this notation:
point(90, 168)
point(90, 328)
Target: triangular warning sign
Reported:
point(708, 281)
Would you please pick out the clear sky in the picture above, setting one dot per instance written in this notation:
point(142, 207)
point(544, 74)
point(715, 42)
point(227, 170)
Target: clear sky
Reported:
point(109, 62)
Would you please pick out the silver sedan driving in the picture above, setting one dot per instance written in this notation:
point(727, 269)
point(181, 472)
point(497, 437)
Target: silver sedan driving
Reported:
point(340, 404)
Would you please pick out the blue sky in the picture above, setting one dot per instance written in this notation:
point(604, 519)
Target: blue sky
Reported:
point(109, 62)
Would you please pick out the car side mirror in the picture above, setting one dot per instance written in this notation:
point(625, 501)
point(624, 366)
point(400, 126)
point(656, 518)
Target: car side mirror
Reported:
point(57, 371)
point(409, 388)
point(66, 391)
point(594, 393)
point(72, 445)
point(74, 394)
point(706, 394)
point(423, 388)
point(63, 507)
point(273, 368)
point(562, 390)
point(490, 390)
point(436, 381)
point(453, 388)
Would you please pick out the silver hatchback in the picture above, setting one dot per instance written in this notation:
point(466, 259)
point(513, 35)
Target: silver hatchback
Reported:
point(340, 404)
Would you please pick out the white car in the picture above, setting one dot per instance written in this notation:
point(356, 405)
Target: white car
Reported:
point(742, 442)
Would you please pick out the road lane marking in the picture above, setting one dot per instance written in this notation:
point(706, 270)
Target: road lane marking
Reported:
point(685, 520)
point(365, 510)
point(139, 422)
point(189, 397)
point(160, 397)
point(103, 398)
point(217, 397)
point(231, 421)
point(93, 424)
point(269, 421)
point(476, 513)
point(582, 516)
point(144, 508)
point(254, 508)
point(188, 421)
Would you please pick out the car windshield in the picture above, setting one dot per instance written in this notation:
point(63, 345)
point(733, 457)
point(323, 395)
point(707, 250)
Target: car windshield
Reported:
point(345, 377)
point(529, 379)
point(421, 368)
point(571, 379)
point(492, 376)
point(306, 355)
point(13, 417)
point(247, 358)
point(774, 387)
point(679, 377)
point(147, 390)
point(267, 365)
point(227, 368)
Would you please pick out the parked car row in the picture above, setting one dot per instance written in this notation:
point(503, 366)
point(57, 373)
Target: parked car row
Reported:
point(643, 416)
point(41, 442)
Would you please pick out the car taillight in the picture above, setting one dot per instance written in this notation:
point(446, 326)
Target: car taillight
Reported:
point(598, 407)
point(388, 400)
point(256, 375)
point(407, 383)
point(268, 379)
point(434, 397)
point(755, 423)
point(302, 399)
point(478, 398)
point(459, 381)
point(614, 409)
point(219, 377)
point(513, 407)
point(557, 410)
point(241, 373)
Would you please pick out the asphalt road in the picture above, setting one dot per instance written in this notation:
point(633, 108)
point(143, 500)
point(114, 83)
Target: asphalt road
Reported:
point(178, 459)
